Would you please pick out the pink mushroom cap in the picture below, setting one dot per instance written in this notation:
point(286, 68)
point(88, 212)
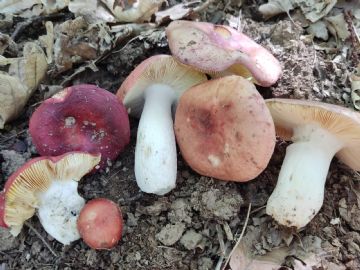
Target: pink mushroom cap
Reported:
point(100, 223)
point(220, 49)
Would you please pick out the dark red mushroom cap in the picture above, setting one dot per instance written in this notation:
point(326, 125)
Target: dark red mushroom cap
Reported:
point(100, 223)
point(81, 118)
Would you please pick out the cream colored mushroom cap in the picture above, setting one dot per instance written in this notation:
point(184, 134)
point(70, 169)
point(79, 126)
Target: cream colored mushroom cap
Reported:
point(341, 122)
point(158, 69)
point(34, 177)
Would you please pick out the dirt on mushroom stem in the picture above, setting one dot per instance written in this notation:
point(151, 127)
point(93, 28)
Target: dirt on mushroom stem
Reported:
point(308, 74)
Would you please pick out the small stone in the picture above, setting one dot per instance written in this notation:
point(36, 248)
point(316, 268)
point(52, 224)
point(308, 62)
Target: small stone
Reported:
point(190, 239)
point(171, 233)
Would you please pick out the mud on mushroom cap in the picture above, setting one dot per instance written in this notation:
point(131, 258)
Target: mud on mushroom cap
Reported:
point(81, 118)
point(219, 48)
point(25, 189)
point(224, 129)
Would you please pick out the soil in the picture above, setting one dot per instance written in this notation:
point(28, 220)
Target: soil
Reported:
point(190, 227)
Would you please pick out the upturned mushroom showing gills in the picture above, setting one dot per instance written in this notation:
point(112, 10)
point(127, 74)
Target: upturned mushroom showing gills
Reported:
point(81, 118)
point(150, 91)
point(221, 50)
point(224, 129)
point(48, 184)
point(318, 131)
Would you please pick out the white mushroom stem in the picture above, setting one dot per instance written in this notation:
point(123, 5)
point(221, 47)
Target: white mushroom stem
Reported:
point(155, 152)
point(59, 209)
point(299, 193)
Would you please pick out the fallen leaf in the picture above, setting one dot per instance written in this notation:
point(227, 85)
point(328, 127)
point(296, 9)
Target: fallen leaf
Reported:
point(13, 97)
point(31, 8)
point(243, 260)
point(29, 69)
point(338, 26)
point(115, 11)
point(275, 7)
point(176, 12)
point(92, 11)
point(77, 41)
point(313, 10)
point(6, 43)
point(47, 41)
point(140, 11)
point(23, 76)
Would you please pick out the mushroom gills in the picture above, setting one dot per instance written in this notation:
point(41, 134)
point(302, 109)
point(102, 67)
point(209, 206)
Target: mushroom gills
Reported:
point(155, 151)
point(59, 210)
point(299, 192)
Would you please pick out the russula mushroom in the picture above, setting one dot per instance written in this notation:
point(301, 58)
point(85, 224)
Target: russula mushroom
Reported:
point(318, 131)
point(81, 118)
point(224, 129)
point(220, 49)
point(48, 184)
point(100, 223)
point(153, 87)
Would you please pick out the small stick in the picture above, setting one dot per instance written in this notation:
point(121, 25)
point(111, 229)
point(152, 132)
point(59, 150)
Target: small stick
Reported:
point(240, 237)
point(41, 238)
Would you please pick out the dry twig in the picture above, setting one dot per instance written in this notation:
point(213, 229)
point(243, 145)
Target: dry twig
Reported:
point(240, 237)
point(41, 238)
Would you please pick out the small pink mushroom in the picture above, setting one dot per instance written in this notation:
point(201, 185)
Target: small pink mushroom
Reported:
point(81, 118)
point(100, 223)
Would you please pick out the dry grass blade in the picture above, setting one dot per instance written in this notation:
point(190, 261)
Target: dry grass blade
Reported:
point(41, 238)
point(240, 237)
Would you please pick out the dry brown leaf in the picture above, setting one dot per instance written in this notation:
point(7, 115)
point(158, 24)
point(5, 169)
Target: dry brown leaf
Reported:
point(23, 77)
point(313, 10)
point(77, 42)
point(13, 96)
point(176, 12)
point(6, 42)
point(47, 41)
point(92, 11)
point(140, 11)
point(243, 260)
point(29, 8)
point(17, 6)
point(113, 11)
point(338, 26)
point(30, 69)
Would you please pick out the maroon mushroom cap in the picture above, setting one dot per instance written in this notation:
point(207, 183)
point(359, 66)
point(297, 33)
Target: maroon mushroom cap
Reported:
point(100, 223)
point(81, 118)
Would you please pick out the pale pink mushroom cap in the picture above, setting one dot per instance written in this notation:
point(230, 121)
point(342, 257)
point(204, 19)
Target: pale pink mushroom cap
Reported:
point(219, 48)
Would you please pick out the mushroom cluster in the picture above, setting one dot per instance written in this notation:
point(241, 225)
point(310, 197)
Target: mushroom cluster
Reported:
point(223, 126)
point(77, 131)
